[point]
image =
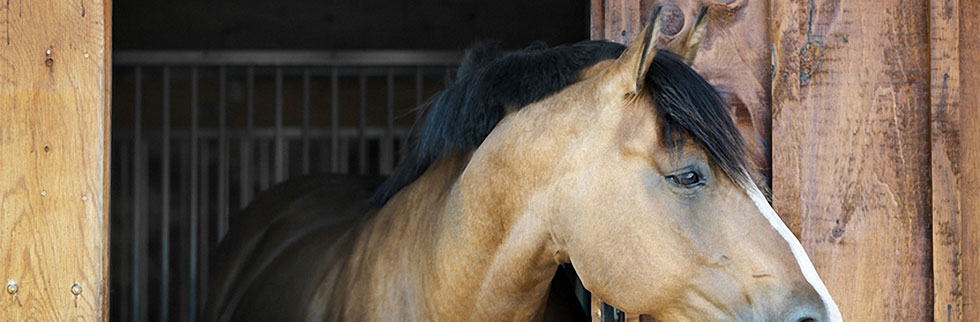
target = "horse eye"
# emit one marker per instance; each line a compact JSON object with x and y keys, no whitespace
{"x":686,"y":179}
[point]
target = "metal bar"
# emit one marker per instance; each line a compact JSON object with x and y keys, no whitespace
{"x":245,"y":184}
{"x":612,"y":314}
{"x":334,"y":120}
{"x":144,"y":186}
{"x":222,"y":152}
{"x":387,"y":149}
{"x":165,"y":202}
{"x":288,"y":58}
{"x":205,"y":210}
{"x":194,"y":220}
{"x":183,"y":229}
{"x":362,"y":161}
{"x":306,"y":121}
{"x":279,"y":162}
{"x":138,"y":280}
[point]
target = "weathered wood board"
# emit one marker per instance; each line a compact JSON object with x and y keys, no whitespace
{"x":875,"y":129}
{"x":54,"y":139}
{"x":955,"y":123}
{"x":734,"y":55}
{"x":851,"y":151}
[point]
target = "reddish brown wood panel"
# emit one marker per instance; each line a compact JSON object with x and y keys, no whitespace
{"x":734,"y":55}
{"x":851,"y":149}
{"x":54,"y":105}
{"x":955,"y":105}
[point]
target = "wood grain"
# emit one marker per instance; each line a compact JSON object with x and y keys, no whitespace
{"x":851,"y":149}
{"x":955,"y":135}
{"x":734,"y":56}
{"x":54,"y":158}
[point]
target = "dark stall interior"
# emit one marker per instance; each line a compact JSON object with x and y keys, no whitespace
{"x":215,"y":101}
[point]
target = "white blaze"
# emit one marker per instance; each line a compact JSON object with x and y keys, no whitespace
{"x":810,"y":273}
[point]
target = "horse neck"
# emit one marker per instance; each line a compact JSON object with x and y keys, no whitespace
{"x":478,"y":251}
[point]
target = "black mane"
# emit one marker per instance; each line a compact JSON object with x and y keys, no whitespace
{"x":461,"y":116}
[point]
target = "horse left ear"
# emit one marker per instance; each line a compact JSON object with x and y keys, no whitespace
{"x":630,"y":69}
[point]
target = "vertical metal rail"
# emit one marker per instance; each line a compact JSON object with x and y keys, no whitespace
{"x":612,"y":314}
{"x":165,"y":200}
{"x":388,"y":146}
{"x":222,"y":152}
{"x":194,"y":220}
{"x":334,"y":120}
{"x":137,"y":223}
{"x":144,"y":188}
{"x":278,"y":163}
{"x":183,"y":210}
{"x":245,"y":182}
{"x":205,"y":210}
{"x":306,"y":121}
{"x":362,"y":162}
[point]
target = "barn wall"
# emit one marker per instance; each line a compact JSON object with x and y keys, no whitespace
{"x":851,"y":149}
{"x":875,"y":137}
{"x":955,"y":125}
{"x":734,"y":56}
{"x":54,"y":112}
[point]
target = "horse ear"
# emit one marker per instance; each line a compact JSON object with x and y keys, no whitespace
{"x":630,"y":69}
{"x":694,"y":38}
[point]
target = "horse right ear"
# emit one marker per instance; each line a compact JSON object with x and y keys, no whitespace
{"x":627,"y":73}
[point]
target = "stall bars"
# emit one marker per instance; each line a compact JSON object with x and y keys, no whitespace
{"x":151,"y":279}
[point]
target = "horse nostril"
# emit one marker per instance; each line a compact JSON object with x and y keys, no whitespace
{"x":806,"y":319}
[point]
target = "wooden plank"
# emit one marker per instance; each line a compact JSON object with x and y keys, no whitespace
{"x":54,"y":157}
{"x":735,"y":56}
{"x":955,"y":137}
{"x":851,"y":149}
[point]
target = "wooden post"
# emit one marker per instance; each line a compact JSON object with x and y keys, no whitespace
{"x":54,"y":159}
{"x":851,"y":149}
{"x":954,"y":27}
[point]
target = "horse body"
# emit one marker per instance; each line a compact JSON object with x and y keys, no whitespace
{"x":625,"y":165}
{"x":356,"y":267}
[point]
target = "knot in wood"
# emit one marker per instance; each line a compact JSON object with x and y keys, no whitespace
{"x":671,"y":20}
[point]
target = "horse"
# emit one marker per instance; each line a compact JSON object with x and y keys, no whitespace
{"x":619,"y":160}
